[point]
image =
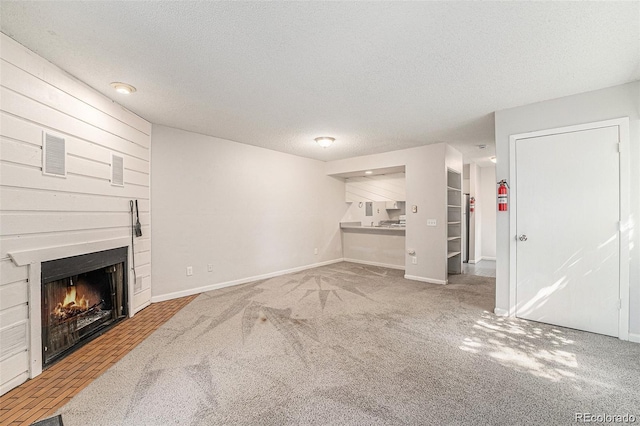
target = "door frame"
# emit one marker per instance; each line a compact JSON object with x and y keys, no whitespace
{"x":623,"y":134}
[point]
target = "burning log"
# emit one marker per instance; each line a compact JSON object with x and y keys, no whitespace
{"x":72,"y":309}
{"x":68,"y":310}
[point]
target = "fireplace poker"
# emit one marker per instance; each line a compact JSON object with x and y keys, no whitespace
{"x":133,"y":253}
{"x":94,"y":306}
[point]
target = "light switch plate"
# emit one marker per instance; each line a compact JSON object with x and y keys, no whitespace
{"x":431,"y":222}
{"x":414,"y":209}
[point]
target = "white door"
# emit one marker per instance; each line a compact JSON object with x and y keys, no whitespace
{"x":568,"y":210}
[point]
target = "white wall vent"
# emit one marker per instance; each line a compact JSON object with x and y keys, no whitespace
{"x":117,"y":170}
{"x":54,"y":155}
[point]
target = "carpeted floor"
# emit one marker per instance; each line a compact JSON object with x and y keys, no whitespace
{"x":354,"y":344}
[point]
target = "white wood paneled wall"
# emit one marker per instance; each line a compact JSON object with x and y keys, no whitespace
{"x":38,"y":211}
{"x":391,"y":187}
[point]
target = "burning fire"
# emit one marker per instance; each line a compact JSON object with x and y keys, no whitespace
{"x":71,"y":305}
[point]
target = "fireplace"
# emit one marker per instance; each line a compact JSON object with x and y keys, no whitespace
{"x":82,"y":297}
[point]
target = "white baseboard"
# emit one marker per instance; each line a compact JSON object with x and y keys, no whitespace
{"x":424,"y":279}
{"x":198,"y":290}
{"x":366,"y":262}
{"x":480,"y":259}
{"x":501,"y":312}
{"x":633,"y":337}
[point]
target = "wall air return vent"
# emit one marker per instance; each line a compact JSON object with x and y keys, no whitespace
{"x":117,"y":170}
{"x":54,"y":155}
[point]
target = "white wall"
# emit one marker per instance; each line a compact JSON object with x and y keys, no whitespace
{"x":380,"y":248}
{"x":487,"y":197}
{"x":391,"y":187}
{"x":465,"y":179}
{"x":39,"y":211}
{"x":425,"y":171}
{"x":614,"y":102}
{"x":482,"y":222}
{"x":245,"y":210}
{"x":357,"y":213}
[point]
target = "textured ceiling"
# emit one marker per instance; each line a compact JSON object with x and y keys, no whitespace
{"x":376,"y":76}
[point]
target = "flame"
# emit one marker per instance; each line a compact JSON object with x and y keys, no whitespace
{"x":71,"y":305}
{"x":70,"y":297}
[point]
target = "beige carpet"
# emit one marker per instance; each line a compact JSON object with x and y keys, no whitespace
{"x":352,"y":344}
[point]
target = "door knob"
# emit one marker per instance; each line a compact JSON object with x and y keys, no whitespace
{"x":522,"y":237}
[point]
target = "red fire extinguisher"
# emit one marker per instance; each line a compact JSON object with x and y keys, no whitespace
{"x":503,"y":195}
{"x":472,"y":204}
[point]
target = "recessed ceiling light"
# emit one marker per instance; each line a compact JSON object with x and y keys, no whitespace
{"x":493,"y":159}
{"x":325,"y":141}
{"x":481,"y":146}
{"x":368,"y":172}
{"x":123,"y":88}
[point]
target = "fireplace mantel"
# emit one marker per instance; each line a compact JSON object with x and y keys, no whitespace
{"x":27,"y":257}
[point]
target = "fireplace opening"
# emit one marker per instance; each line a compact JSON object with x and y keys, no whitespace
{"x":82,"y":297}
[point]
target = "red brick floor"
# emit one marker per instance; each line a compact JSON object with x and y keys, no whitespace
{"x":39,"y":398}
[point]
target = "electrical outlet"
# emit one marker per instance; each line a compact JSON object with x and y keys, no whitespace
{"x":189,"y":271}
{"x":210,"y":267}
{"x":315,"y":251}
{"x":414,"y":260}
{"x":431,"y":222}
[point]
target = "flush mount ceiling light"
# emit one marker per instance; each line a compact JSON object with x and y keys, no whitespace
{"x":368,"y":172}
{"x":123,"y":88}
{"x":324,"y":141}
{"x":493,"y":159}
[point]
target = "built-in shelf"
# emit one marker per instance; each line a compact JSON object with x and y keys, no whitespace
{"x":454,"y":218}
